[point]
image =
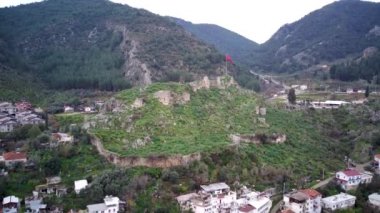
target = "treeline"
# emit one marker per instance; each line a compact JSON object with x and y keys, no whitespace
{"x":367,"y":69}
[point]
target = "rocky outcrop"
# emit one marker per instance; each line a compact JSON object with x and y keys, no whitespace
{"x":138,"y":103}
{"x":151,"y":161}
{"x":220,"y":82}
{"x":134,"y":69}
{"x":369,"y":52}
{"x":167,"y":97}
{"x":375,"y":31}
{"x":258,"y":138}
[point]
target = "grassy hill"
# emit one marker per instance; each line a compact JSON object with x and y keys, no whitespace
{"x":205,"y":123}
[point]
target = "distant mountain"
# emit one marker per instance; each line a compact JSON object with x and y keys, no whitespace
{"x":337,"y":31}
{"x":226,"y":41}
{"x":97,"y":44}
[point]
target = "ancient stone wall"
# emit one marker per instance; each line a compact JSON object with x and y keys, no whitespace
{"x":151,"y":161}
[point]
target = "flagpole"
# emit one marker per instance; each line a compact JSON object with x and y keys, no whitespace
{"x":226,"y":67}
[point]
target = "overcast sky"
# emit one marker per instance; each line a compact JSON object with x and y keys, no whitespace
{"x":254,"y":19}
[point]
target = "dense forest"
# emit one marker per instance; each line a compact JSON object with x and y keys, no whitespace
{"x":336,"y":31}
{"x":98,"y":44}
{"x":240,"y":48}
{"x":367,"y":69}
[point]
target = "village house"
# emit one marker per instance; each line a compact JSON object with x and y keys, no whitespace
{"x":7,"y":124}
{"x":8,"y":108}
{"x":374,"y":199}
{"x":23,"y":106}
{"x":303,"y":201}
{"x":68,"y":109}
{"x":60,"y":138}
{"x":329,"y":104}
{"x":89,"y":109}
{"x":351,"y":178}
{"x":79,"y":185}
{"x":218,"y":197}
{"x":11,"y":204}
{"x":339,"y":201}
{"x":111,"y":204}
{"x":377,"y":163}
{"x":12,"y":158}
{"x":53,"y":186}
{"x":253,"y":202}
{"x":28,"y":117}
{"x":34,"y":204}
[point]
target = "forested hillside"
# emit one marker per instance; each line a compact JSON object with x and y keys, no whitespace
{"x":339,"y":30}
{"x":96,"y":44}
{"x":240,"y":48}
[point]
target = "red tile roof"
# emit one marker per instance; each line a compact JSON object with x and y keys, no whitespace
{"x":14,"y":156}
{"x":351,"y":172}
{"x":246,"y":208}
{"x":311,"y":193}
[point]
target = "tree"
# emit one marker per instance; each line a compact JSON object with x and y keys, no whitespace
{"x":33,"y":132}
{"x":292,"y":96}
{"x":366,"y":92}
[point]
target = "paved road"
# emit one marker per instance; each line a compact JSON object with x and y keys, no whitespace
{"x":359,"y":167}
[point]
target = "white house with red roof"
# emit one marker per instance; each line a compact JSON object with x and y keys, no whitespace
{"x":11,"y":158}
{"x":303,"y":201}
{"x":351,"y":178}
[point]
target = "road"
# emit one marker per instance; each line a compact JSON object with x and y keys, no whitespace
{"x":359,"y":167}
{"x":270,"y":79}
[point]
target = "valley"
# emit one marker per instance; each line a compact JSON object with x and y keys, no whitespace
{"x":104,"y":107}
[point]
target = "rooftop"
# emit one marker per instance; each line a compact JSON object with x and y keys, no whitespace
{"x":11,"y":199}
{"x":186,"y":197}
{"x":14,"y":156}
{"x":214,"y":187}
{"x":246,"y":208}
{"x":99,"y":207}
{"x":374,"y":196}
{"x":338,"y":198}
{"x":377,"y":157}
{"x":80,"y":184}
{"x":299,"y":196}
{"x":311,"y":193}
{"x":351,"y":172}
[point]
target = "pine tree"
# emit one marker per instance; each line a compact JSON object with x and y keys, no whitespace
{"x":366,"y":92}
{"x":292,"y":96}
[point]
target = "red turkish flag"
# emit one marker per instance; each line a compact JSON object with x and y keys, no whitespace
{"x":229,"y":59}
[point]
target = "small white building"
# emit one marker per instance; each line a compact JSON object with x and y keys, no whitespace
{"x":79,"y":185}
{"x":339,"y":201}
{"x":62,"y":137}
{"x":303,"y":201}
{"x":111,"y":204}
{"x":303,"y":87}
{"x":329,"y":104}
{"x":68,"y":109}
{"x":374,"y":199}
{"x":11,"y":204}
